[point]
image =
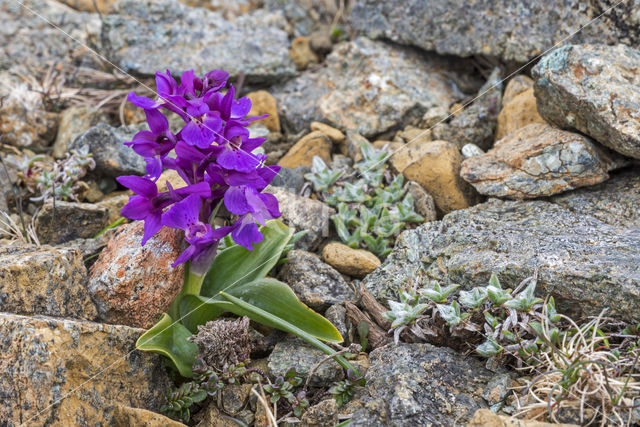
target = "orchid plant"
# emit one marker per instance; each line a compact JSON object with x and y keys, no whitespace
{"x":220,"y":164}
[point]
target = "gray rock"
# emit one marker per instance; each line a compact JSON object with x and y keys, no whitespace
{"x":476,"y":124}
{"x":594,"y":89}
{"x":291,"y":179}
{"x":512,"y":31}
{"x":419,"y":384}
{"x":112,"y":157}
{"x":539,"y":160}
{"x":337,"y":315}
{"x":422,"y":201}
{"x":615,"y":201}
{"x":295,"y":353}
{"x":73,"y":122}
{"x":254,"y":44}
{"x":367,"y":87}
{"x":585,"y":263}
{"x":67,"y":221}
{"x":317,"y":284}
{"x":44,"y":280}
{"x":304,"y":15}
{"x":28,"y":41}
{"x":470,"y":150}
{"x":303,"y":213}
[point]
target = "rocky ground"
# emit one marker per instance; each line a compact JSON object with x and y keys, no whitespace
{"x":512,"y":168}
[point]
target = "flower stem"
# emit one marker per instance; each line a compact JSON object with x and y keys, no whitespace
{"x":192,"y":285}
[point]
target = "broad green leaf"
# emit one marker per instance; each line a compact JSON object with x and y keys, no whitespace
{"x":197,"y":310}
{"x":242,"y":308}
{"x":489,"y":348}
{"x":278,"y":300}
{"x":169,"y":338}
{"x":236,"y":265}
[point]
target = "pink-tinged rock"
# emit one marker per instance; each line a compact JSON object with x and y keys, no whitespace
{"x":133,"y":284}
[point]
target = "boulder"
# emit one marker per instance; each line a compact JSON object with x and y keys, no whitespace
{"x":44,"y":280}
{"x":368,"y":87}
{"x":262,"y":102}
{"x":65,"y":221}
{"x":594,"y":89}
{"x":352,"y":262}
{"x":66,"y":372}
{"x":513,"y":31}
{"x":519,"y":111}
{"x":73,"y":122}
{"x":538,"y":161}
{"x":302,"y":153}
{"x":255,"y":44}
{"x":133,"y":284}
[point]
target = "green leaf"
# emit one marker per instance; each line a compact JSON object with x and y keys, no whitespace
{"x":236,"y":265}
{"x":489,"y":348}
{"x":197,"y":310}
{"x":473,"y":298}
{"x":170,"y":339}
{"x":278,"y":300}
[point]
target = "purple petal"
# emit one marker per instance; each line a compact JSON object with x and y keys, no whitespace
{"x":138,"y":208}
{"x":165,"y":84}
{"x":152,"y":225}
{"x":240,"y":108}
{"x":142,"y":101}
{"x":154,"y":167}
{"x":237,"y":160}
{"x":158,"y":123}
{"x":246,"y":233}
{"x":184,"y":256}
{"x":235,"y":201}
{"x":215,"y":80}
{"x":187,"y":83}
{"x":139,"y":185}
{"x":192,"y":134}
{"x":268,"y":173}
{"x":184,"y":213}
{"x":187,"y":152}
{"x":202,"y":189}
{"x":271,"y":204}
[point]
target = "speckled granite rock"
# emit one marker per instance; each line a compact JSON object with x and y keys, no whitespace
{"x":69,"y":221}
{"x":495,"y":27}
{"x":133,"y":284}
{"x":295,"y":353}
{"x":44,"y":280}
{"x":615,"y":201}
{"x":594,"y":89}
{"x":254,"y":44}
{"x":585,"y":263}
{"x":367,"y":87}
{"x":475,"y":124}
{"x":112,"y":157}
{"x":48,"y":367}
{"x":317,"y":284}
{"x":419,"y":384}
{"x":539,"y":160}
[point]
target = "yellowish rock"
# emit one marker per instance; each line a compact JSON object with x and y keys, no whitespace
{"x":73,"y":122}
{"x":174,"y":179}
{"x":59,"y":371}
{"x":405,"y":154}
{"x":125,"y":416}
{"x":516,"y":86}
{"x":103,"y":6}
{"x":518,"y":113}
{"x":334,"y":134}
{"x":44,"y":280}
{"x":301,"y":154}
{"x":114,"y":203}
{"x":352,"y":262}
{"x":262,"y":102}
{"x":438,"y":172}
{"x":301,"y":53}
{"x":486,"y":418}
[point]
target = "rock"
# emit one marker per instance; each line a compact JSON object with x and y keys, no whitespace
{"x":470,"y":150}
{"x":29,"y":43}
{"x":463,"y":28}
{"x":227,"y":8}
{"x":254,"y":44}
{"x":337,"y":315}
{"x":419,"y":384}
{"x":66,"y":372}
{"x":102,"y":6}
{"x":352,"y":145}
{"x":517,"y":84}
{"x":262,"y":102}
{"x":44,"y":280}
{"x":438,"y":172}
{"x":133,"y":284}
{"x":594,"y":89}
{"x":422,"y":201}
{"x":323,"y":414}
{"x":174,"y":179}
{"x":124,"y":416}
{"x":614,"y":202}
{"x":519,"y":112}
{"x":24,"y":121}
{"x":303,"y":213}
{"x":301,"y":53}
{"x":486,"y":418}
{"x":112,"y":157}
{"x":367,"y":87}
{"x":305,"y":15}
{"x":234,"y":397}
{"x":317,"y":284}
{"x":352,"y":262}
{"x":302,"y":153}
{"x":405,"y":154}
{"x":295,"y":353}
{"x":64,"y":221}
{"x":321,"y":41}
{"x":291,"y":179}
{"x":334,"y":134}
{"x":113,"y":203}
{"x":476,"y":123}
{"x":538,"y":161}
{"x":73,"y":122}
{"x":584,"y":263}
